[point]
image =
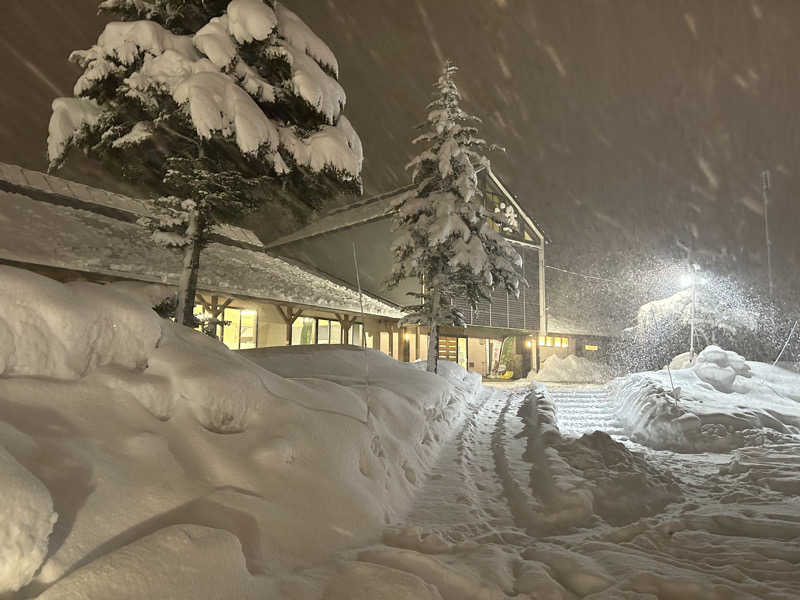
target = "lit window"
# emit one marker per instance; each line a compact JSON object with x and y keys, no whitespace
{"x":548,"y":341}
{"x":231,"y":331}
{"x":558,"y":342}
{"x":541,"y":340}
{"x":323,"y":331}
{"x":590,"y":347}
{"x":564,"y":342}
{"x":356,"y":330}
{"x":248,"y":329}
{"x":303,"y":330}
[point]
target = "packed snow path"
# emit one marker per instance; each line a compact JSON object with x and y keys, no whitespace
{"x":480,"y":467}
{"x":584,"y":410}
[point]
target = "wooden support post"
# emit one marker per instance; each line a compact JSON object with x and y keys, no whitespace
{"x":347,"y":322}
{"x":214,"y":309}
{"x":289,"y":315}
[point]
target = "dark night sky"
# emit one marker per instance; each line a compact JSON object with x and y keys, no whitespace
{"x":625,"y":121}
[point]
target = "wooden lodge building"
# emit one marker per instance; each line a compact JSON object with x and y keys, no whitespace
{"x":300,"y":289}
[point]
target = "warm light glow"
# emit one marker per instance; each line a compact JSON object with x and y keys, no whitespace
{"x":590,"y":347}
{"x":528,"y":344}
{"x":558,"y":342}
{"x":406,"y":337}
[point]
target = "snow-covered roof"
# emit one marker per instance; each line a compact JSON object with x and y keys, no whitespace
{"x":377,"y":207}
{"x":48,"y":221}
{"x":356,"y":213}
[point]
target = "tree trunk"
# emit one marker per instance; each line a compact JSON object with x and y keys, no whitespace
{"x":187,"y":284}
{"x":433,"y":338}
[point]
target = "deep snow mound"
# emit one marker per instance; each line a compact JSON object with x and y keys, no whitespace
{"x":49,"y":329}
{"x":26,"y":520}
{"x":572,"y":369}
{"x":284,"y":455}
{"x":719,"y":403}
{"x":623,"y":486}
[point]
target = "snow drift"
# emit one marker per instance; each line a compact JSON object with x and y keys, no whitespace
{"x":26,"y":520}
{"x":572,"y":369}
{"x":266,"y":461}
{"x":719,"y":403}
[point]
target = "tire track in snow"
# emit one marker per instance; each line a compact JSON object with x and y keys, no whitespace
{"x":464,"y":498}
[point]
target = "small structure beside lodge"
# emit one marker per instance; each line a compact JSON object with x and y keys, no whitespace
{"x":300,"y":289}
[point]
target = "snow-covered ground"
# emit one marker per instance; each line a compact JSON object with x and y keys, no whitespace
{"x":719,"y":403}
{"x":193,"y":469}
{"x":176,"y":468}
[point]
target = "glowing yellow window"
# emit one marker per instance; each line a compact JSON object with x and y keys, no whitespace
{"x":548,"y":341}
{"x":541,"y":340}
{"x":590,"y":347}
{"x":558,"y":342}
{"x":565,"y":342}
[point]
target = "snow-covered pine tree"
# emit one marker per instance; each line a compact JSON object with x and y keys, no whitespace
{"x":445,"y":237}
{"x":214,"y":106}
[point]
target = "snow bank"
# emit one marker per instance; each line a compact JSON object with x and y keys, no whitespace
{"x":719,"y":403}
{"x":572,"y":369}
{"x":52,"y":330}
{"x":147,"y":568}
{"x":26,"y":520}
{"x":285,"y":454}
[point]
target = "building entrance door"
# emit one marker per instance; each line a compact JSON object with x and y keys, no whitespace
{"x":453,"y":349}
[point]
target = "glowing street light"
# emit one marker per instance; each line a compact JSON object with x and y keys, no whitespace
{"x":691,"y":279}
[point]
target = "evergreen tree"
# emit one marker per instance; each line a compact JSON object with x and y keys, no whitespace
{"x":445,"y":236}
{"x":215,"y":107}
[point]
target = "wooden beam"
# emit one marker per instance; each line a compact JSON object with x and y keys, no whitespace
{"x":204,"y":302}
{"x":289,"y":315}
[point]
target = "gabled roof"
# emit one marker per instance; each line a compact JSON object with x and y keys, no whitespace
{"x":51,"y":222}
{"x":378,"y":207}
{"x":532,"y":223}
{"x":357,"y":213}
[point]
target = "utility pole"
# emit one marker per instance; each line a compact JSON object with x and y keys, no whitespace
{"x":693,"y":268}
{"x":693,"y":275}
{"x":765,"y":185}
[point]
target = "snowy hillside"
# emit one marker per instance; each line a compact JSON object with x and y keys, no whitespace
{"x":151,"y":441}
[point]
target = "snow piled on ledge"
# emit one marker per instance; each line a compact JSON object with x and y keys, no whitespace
{"x":720,"y":403}
{"x":194,"y":470}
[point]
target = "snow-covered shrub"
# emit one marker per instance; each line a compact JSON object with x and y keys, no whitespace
{"x":725,"y":315}
{"x":26,"y":520}
{"x":720,"y":368}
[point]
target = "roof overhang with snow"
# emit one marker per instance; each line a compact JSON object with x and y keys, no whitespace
{"x":384,"y":205}
{"x":54,"y":223}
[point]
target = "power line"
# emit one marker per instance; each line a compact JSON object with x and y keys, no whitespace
{"x":582,"y":274}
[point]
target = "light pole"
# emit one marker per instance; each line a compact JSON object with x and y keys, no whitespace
{"x":693,"y":274}
{"x":765,"y":185}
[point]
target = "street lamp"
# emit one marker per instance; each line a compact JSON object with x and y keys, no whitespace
{"x":691,"y":280}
